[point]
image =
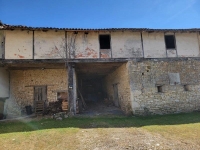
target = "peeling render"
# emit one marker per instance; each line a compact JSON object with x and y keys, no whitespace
{"x":53,"y":44}
{"x":105,"y":53}
{"x":86,"y":44}
{"x":18,"y":44}
{"x":49,"y":44}
{"x":126,"y":44}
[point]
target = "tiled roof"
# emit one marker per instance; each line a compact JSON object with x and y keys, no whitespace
{"x":11,"y":27}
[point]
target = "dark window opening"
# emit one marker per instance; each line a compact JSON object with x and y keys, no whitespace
{"x":160,"y":89}
{"x":104,"y":41}
{"x":170,"y":41}
{"x":186,"y":87}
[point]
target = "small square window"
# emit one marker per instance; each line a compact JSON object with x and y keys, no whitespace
{"x":160,"y":89}
{"x":186,"y":87}
{"x":104,"y":41}
{"x":170,"y":41}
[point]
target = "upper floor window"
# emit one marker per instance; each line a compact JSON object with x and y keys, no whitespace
{"x":170,"y":41}
{"x":104,"y":41}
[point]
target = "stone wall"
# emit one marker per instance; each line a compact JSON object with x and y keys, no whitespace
{"x":162,"y":86}
{"x":22,"y":84}
{"x":121,"y":78}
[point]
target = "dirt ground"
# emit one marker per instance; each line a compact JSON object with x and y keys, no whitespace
{"x":129,"y":138}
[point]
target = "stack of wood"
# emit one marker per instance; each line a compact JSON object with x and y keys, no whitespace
{"x":55,"y":107}
{"x":64,"y":105}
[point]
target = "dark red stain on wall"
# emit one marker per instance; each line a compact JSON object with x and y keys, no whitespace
{"x":20,"y":56}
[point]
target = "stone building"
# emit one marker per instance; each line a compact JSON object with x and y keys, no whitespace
{"x":142,"y":71}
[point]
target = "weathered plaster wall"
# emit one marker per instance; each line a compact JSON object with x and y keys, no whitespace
{"x":4,"y":83}
{"x":22,"y":84}
{"x":85,"y":45}
{"x":2,"y":44}
{"x":121,"y":78}
{"x":154,"y":45}
{"x":147,"y":75}
{"x":49,"y":44}
{"x":126,"y":44}
{"x":187,"y":44}
{"x":18,"y":44}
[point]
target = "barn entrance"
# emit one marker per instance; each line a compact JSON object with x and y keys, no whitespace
{"x":92,"y":89}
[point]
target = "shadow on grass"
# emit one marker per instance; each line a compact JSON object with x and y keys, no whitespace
{"x":99,"y":122}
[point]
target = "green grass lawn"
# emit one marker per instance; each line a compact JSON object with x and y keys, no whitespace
{"x":53,"y":134}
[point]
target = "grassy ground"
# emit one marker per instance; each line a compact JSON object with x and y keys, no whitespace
{"x":179,"y":131}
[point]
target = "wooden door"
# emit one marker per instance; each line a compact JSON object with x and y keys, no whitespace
{"x":116,"y":97}
{"x":40,"y":93}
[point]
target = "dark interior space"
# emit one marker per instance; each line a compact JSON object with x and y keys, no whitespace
{"x":92,"y":88}
{"x":170,"y":41}
{"x":104,"y":41}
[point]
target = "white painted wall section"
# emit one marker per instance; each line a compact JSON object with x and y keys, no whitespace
{"x":154,"y":45}
{"x":18,"y":44}
{"x":4,"y":83}
{"x":126,"y":44}
{"x":85,"y":45}
{"x":49,"y":44}
{"x":187,"y":44}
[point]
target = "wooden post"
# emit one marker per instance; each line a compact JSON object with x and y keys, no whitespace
{"x":71,"y":98}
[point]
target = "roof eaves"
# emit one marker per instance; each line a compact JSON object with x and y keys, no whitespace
{"x":12,"y":27}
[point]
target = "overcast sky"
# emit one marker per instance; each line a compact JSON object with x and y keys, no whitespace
{"x":102,"y":13}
